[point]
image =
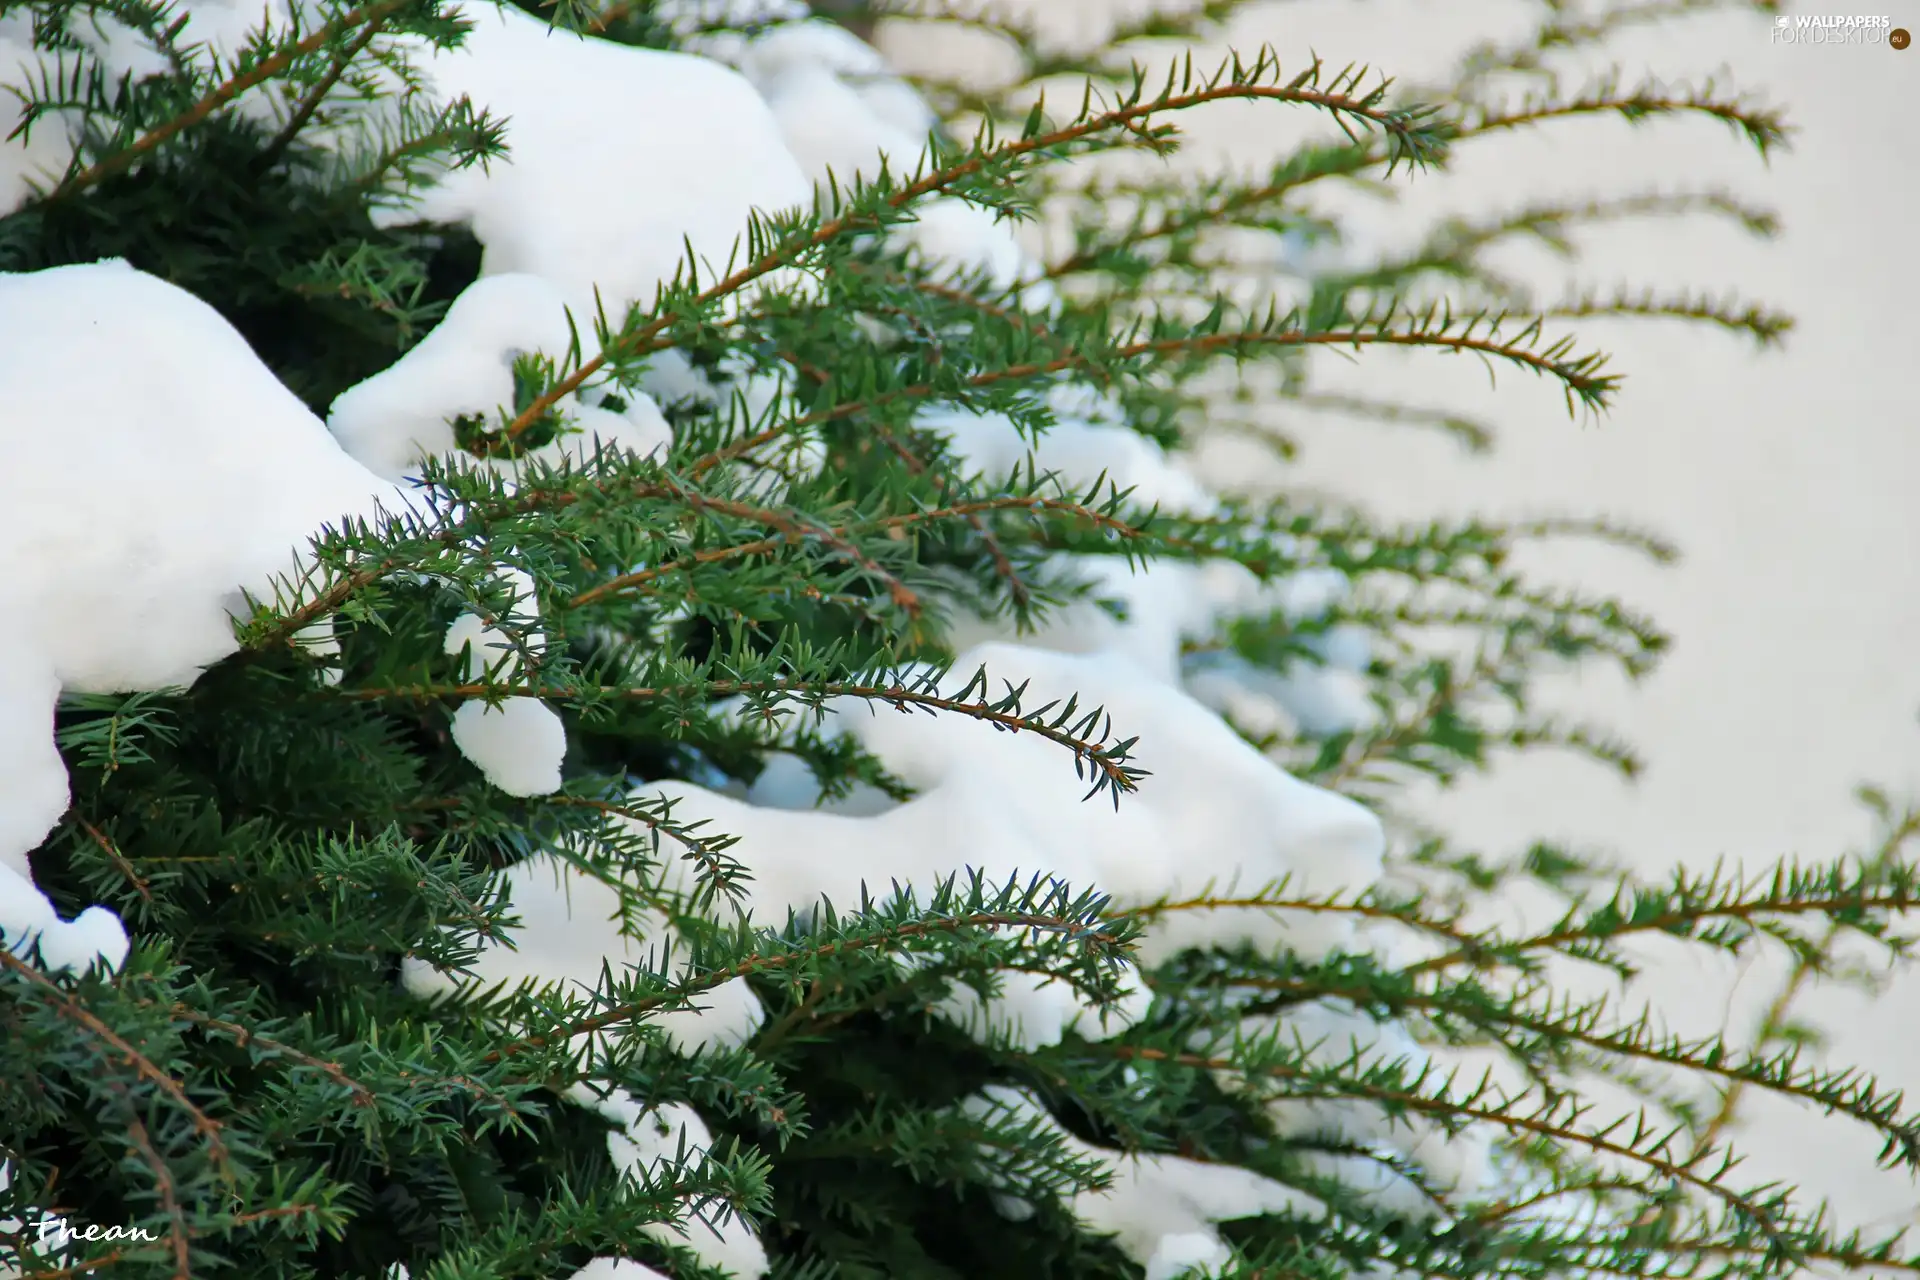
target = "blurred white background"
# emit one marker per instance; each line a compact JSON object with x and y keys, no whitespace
{"x":1790,"y":480}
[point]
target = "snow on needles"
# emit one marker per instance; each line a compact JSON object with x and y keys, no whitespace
{"x":651,"y":1141}
{"x":570,"y":932}
{"x":130,"y":582}
{"x":1160,"y":1209}
{"x":203,"y":474}
{"x":206,"y":480}
{"x":1214,"y":811}
{"x":405,"y":414}
{"x":605,"y":218}
{"x":28,"y":920}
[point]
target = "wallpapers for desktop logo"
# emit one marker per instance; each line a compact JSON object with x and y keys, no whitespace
{"x":1837,"y":30}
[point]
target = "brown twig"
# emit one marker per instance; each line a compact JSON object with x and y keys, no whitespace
{"x":206,"y":1126}
{"x":178,"y":1233}
{"x":772,"y":963}
{"x":645,"y":338}
{"x":245,"y":1037}
{"x":261,"y":72}
{"x":119,"y":859}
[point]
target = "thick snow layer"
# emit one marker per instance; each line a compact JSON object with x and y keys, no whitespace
{"x":570,"y":928}
{"x":404,"y":415}
{"x":1161,"y":1210}
{"x":650,"y":1137}
{"x":841,"y":111}
{"x":1215,"y":811}
{"x":27,"y":919}
{"x":206,"y":480}
{"x":519,"y":745}
{"x":616,"y":1269}
{"x":204,"y":475}
{"x":608,"y":184}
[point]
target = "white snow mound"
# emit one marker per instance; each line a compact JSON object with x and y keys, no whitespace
{"x":203,"y":474}
{"x":205,"y":480}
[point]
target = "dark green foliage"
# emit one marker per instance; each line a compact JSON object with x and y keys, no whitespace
{"x":255,"y":1088}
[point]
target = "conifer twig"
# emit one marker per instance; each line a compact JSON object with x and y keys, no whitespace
{"x":258,"y":74}
{"x":1400,"y":125}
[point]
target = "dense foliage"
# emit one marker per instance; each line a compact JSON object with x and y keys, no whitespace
{"x":259,"y":1092}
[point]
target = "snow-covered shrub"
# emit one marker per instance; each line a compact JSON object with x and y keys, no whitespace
{"x":606,"y":674}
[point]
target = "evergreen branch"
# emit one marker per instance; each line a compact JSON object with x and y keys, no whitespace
{"x":303,"y":114}
{"x":1406,"y":139}
{"x":1847,"y":1093}
{"x":1766,"y":327}
{"x":1325,"y":160}
{"x":258,"y":74}
{"x":691,"y":560}
{"x":1108,"y":761}
{"x":1594,"y":1185}
{"x":1888,"y":888}
{"x":1448,"y":690}
{"x":707,"y":852}
{"x":1565,"y":30}
{"x":1636,"y":1151}
{"x":1275,"y":899}
{"x":535,"y":496}
{"x":119,"y":860}
{"x":1764,"y":129}
{"x":885,"y":937}
{"x":1017,"y":587}
{"x":1578,"y":374}
{"x":178,"y":1233}
{"x":1457,"y":240}
{"x":1772,"y":1022}
{"x":1474,"y":435}
{"x":969,"y":512}
{"x":1853,"y":1259}
{"x":792,"y":528}
{"x":247,"y":1038}
{"x":210,"y":1131}
{"x":968,"y":299}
